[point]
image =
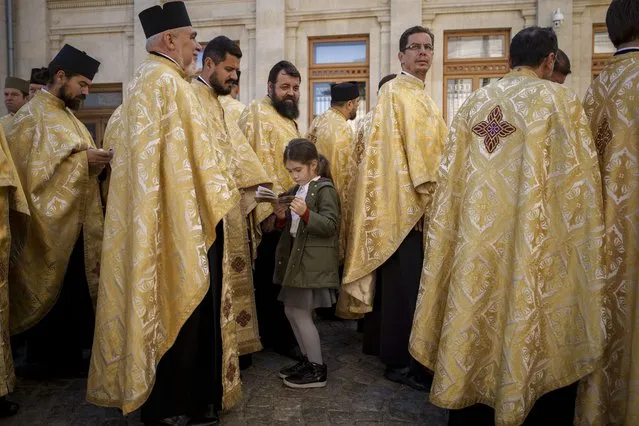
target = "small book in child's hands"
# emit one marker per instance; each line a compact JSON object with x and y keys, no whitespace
{"x":265,"y":195}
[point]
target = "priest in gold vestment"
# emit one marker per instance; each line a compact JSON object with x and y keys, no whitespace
{"x":269,"y":125}
{"x":16,"y":94}
{"x":221,"y":60}
{"x":333,"y":136}
{"x":391,"y":199}
{"x":12,"y":200}
{"x":55,"y":276}
{"x":233,"y":108}
{"x":165,"y":339}
{"x":610,"y":396}
{"x":509,"y":309}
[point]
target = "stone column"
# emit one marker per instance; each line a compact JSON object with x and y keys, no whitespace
{"x":384,"y":46}
{"x":404,"y":14}
{"x":291,"y":41}
{"x":139,"y":39}
{"x":564,"y":32}
{"x":31,"y":32}
{"x":250,"y":83}
{"x":3,"y":46}
{"x":270,"y":27}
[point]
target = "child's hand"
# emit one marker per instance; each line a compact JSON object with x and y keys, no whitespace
{"x":298,"y":206}
{"x":280,"y":211}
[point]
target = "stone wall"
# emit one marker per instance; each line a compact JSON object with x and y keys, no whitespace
{"x":271,"y":30}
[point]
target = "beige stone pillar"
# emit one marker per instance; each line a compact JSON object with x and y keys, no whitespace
{"x":3,"y":46}
{"x":31,"y":32}
{"x":249,"y":82}
{"x":291,"y":41}
{"x":385,"y":59}
{"x":139,"y":39}
{"x":404,"y":14}
{"x":270,"y":27}
{"x":564,"y":32}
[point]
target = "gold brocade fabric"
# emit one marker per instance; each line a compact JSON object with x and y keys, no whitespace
{"x":268,"y":132}
{"x":394,"y":184}
{"x":169,"y":189}
{"x":509,"y":306}
{"x":247,"y":172}
{"x":333,"y":136}
{"x":12,"y":198}
{"x":5,"y":123}
{"x":112,"y":135}
{"x":48,"y":144}
{"x":610,"y":396}
{"x":233,"y":108}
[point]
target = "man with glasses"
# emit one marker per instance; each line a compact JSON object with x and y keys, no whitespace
{"x":333,"y":136}
{"x":391,"y":199}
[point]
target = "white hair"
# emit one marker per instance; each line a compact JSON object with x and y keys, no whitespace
{"x":152,"y":42}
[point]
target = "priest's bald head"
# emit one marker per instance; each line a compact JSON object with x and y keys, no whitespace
{"x":169,"y":32}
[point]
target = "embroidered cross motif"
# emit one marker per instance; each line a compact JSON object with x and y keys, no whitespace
{"x":230,"y":373}
{"x":238,"y":264}
{"x":604,"y":136}
{"x":493,"y":128}
{"x":226,"y":308}
{"x":243,"y":318}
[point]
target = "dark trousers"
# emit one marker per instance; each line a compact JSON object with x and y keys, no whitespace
{"x":556,"y":408}
{"x":189,"y":376}
{"x":387,"y":329}
{"x":59,"y":339}
{"x":275,"y":330}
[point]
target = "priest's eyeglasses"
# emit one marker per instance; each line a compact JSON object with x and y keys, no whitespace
{"x":418,"y":46}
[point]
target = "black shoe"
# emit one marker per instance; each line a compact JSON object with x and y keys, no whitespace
{"x":8,"y":408}
{"x":171,"y":421}
{"x":204,"y":422}
{"x":313,"y":376}
{"x":405,"y":377}
{"x":208,"y":416}
{"x":294,"y":369}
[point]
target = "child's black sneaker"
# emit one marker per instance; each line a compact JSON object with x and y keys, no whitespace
{"x":314,"y":376}
{"x":294,"y":369}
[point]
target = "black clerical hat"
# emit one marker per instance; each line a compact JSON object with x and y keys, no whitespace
{"x":16,"y":83}
{"x":344,"y":91}
{"x":156,"y":19}
{"x":39,"y":75}
{"x":71,"y":59}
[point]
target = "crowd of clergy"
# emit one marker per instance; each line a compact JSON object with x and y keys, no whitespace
{"x":493,"y":265}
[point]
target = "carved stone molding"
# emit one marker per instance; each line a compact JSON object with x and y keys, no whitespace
{"x":340,"y":72}
{"x":478,"y":68}
{"x":73,"y":4}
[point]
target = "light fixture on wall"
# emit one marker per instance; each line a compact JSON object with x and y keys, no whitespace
{"x":557,"y":18}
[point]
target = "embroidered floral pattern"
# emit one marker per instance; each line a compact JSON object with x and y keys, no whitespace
{"x":493,"y":128}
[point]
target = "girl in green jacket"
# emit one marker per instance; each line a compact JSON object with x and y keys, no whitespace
{"x":307,"y":256}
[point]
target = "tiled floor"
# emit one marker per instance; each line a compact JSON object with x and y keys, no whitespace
{"x":356,"y":394}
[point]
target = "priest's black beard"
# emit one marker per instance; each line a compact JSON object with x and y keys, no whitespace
{"x":217,"y":87}
{"x":73,"y":104}
{"x":287,"y":109}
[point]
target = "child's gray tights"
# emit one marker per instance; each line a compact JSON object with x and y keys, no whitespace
{"x":305,"y":332}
